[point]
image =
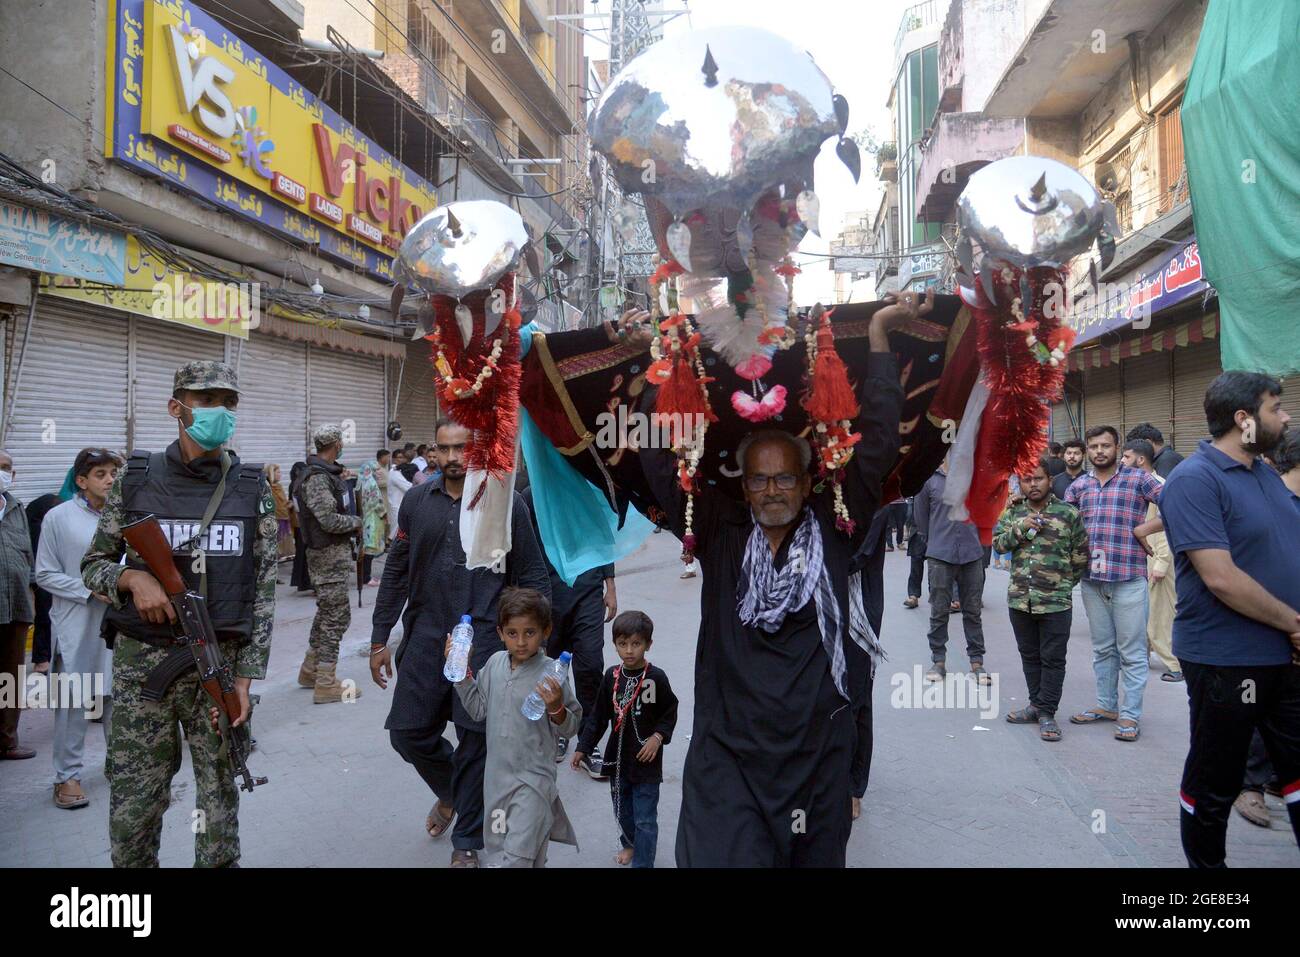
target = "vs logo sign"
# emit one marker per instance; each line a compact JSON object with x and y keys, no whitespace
{"x":200,"y":79}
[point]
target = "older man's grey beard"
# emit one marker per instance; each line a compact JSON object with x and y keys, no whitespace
{"x":784,"y":517}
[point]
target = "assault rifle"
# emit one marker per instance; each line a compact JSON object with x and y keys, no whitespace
{"x":215,"y":674}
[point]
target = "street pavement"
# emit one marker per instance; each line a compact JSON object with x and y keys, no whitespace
{"x":950,"y":786}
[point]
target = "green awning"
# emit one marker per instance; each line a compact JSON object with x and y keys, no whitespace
{"x":1241,"y":137}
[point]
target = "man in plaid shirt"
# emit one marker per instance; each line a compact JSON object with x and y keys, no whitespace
{"x":1113,"y":501}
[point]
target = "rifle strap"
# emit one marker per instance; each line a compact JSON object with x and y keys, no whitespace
{"x":214,"y":503}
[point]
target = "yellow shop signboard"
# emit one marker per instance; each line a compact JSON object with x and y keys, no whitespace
{"x":196,"y":105}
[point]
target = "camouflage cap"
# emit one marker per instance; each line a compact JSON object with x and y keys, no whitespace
{"x":327,"y":435}
{"x":205,"y":374}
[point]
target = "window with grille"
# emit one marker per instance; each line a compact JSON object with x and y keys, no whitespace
{"x":1173,"y":168}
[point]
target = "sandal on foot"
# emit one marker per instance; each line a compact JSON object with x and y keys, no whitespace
{"x":1172,"y":676}
{"x":437,"y":823}
{"x":937,"y":672}
{"x":464,"y":859}
{"x":1048,"y":729}
{"x":911,"y":602}
{"x":69,"y":796}
{"x":1023,"y":716}
{"x":1127,"y":732}
{"x":1091,"y":715}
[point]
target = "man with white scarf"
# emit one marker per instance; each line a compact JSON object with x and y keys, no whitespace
{"x":784,"y":651}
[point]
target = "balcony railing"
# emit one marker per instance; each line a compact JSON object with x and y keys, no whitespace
{"x":916,"y":17}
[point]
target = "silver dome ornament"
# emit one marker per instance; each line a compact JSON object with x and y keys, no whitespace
{"x":461,"y":248}
{"x":751,"y":118}
{"x":1025,"y":212}
{"x":678,"y":238}
{"x":809,"y":208}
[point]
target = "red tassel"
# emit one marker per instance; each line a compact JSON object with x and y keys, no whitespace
{"x":681,"y":394}
{"x":830,"y":397}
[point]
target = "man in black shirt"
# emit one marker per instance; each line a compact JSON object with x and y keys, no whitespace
{"x":1073,"y":454}
{"x":426,"y":574}
{"x":1166,"y":458}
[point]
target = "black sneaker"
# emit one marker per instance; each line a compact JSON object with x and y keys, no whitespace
{"x":561,"y":749}
{"x":594,"y":766}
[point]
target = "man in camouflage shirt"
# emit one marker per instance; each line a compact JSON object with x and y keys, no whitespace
{"x":328,"y":528}
{"x":232,"y":560}
{"x":1049,"y":554}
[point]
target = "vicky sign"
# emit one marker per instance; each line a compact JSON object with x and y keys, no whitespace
{"x":190,"y":103}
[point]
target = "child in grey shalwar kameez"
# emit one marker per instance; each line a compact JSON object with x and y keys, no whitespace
{"x":521,"y":803}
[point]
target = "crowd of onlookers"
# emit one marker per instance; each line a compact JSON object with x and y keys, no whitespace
{"x":1191,"y":559}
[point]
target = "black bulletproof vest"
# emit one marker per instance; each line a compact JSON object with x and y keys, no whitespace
{"x":178,"y":498}
{"x":313,"y":536}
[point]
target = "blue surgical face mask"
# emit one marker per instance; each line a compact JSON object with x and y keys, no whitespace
{"x":212,"y":428}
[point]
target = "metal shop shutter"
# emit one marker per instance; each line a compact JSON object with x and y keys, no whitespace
{"x":1060,"y":423}
{"x":416,"y":407}
{"x":72,"y":394}
{"x":272,"y":402}
{"x":1103,"y":401}
{"x":349,"y":387}
{"x":1147,"y":391}
{"x":1291,"y":401}
{"x":1066,"y":414}
{"x":160,"y":349}
{"x":1195,"y":367}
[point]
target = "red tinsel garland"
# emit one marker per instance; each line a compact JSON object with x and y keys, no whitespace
{"x":1013,"y":432}
{"x":492,"y":414}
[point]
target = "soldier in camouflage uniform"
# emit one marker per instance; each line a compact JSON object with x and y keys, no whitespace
{"x":1049,"y":554}
{"x":231,"y":559}
{"x":328,"y":530}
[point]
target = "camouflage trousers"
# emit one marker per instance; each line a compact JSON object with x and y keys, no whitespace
{"x":333,"y":615}
{"x":145,"y":754}
{"x":330,"y":570}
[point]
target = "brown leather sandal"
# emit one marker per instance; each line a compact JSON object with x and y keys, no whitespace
{"x":69,"y":796}
{"x":437,"y":823}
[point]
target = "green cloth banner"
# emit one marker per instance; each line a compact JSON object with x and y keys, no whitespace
{"x":1241,"y":136}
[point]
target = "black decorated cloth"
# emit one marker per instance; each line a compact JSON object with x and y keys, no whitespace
{"x":570,"y":378}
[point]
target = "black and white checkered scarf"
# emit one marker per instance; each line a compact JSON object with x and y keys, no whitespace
{"x":768,"y":595}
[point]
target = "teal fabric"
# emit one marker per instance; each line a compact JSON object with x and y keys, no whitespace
{"x":69,"y":486}
{"x":1241,"y":138}
{"x":579,"y":529}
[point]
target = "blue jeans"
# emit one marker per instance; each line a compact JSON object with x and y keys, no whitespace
{"x":637,"y":812}
{"x":1117,"y":618}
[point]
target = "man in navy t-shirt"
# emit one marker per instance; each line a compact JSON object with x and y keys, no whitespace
{"x":1233,"y":530}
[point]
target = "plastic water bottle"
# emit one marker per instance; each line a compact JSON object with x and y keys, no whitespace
{"x":462,"y":636}
{"x":534,"y":707}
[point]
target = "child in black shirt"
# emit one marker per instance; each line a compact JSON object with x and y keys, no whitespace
{"x":636,"y":700}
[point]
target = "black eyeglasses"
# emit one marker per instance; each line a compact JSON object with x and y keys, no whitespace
{"x":758,"y":483}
